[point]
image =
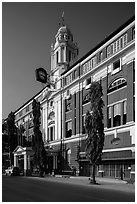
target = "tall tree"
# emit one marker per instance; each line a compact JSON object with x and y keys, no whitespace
{"x":95,"y":127}
{"x":38,"y":144}
{"x":21,"y":138}
{"x":12,"y":135}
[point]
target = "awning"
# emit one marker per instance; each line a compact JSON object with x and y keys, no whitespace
{"x":118,"y":155}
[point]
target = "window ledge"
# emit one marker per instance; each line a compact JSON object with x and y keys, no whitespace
{"x":116,"y":70}
{"x":88,"y":86}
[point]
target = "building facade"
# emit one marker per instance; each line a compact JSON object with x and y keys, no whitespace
{"x":64,"y":103}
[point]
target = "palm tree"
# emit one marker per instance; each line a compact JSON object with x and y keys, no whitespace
{"x":95,"y":127}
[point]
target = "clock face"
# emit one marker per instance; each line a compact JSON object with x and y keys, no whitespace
{"x":42,"y":75}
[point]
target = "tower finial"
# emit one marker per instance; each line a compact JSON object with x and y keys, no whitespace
{"x":62,"y":18}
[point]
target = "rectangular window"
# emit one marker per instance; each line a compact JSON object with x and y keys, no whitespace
{"x":118,"y":44}
{"x":68,"y":129}
{"x":65,"y":81}
{"x":75,"y":74}
{"x":91,"y":63}
{"x":88,"y":66}
{"x":133,"y":33}
{"x":115,"y":47}
{"x":84,"y":69}
{"x":124,"y":40}
{"x":121,"y":42}
{"x":112,"y":49}
{"x":100,"y":56}
{"x":69,"y":79}
{"x":94,"y":61}
{"x":88,"y":81}
{"x":116,"y":64}
{"x":62,"y":54}
{"x":117,"y":115}
{"x":51,"y":132}
{"x":108,"y":51}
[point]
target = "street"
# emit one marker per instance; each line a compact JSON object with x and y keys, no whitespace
{"x":31,"y":189}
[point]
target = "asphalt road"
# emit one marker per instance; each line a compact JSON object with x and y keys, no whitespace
{"x":23,"y":189}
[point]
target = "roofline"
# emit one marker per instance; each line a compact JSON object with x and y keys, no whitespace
{"x":87,"y":54}
{"x":111,"y":35}
{"x":28,"y":101}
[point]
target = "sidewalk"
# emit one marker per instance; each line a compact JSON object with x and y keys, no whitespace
{"x":98,"y":179}
{"x":105,"y":183}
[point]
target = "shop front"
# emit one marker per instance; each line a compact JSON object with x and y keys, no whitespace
{"x":118,"y":164}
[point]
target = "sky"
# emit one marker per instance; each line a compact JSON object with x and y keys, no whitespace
{"x":29,"y":29}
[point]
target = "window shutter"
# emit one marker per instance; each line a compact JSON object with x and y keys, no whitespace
{"x":117,"y":109}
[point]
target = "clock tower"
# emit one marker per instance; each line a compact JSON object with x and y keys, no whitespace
{"x":64,"y":51}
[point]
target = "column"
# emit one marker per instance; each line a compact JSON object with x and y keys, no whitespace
{"x":25,"y":164}
{"x":56,"y":120}
{"x":78,"y":113}
{"x":65,"y":54}
{"x":28,"y":161}
{"x":130,"y":92}
{"x":54,"y":162}
{"x":63,"y":118}
{"x":73,"y":114}
{"x":81,"y":106}
{"x":49,"y":134}
{"x":59,"y":118}
{"x":15,"y":161}
{"x":122,"y":112}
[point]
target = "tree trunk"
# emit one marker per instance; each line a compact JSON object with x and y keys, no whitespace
{"x":93,"y":180}
{"x":93,"y":173}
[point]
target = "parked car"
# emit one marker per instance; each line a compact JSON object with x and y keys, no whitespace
{"x":12,"y":171}
{"x":3,"y":170}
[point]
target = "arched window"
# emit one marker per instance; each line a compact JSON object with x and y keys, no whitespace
{"x":117,"y":84}
{"x":68,"y":155}
{"x":57,"y":57}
